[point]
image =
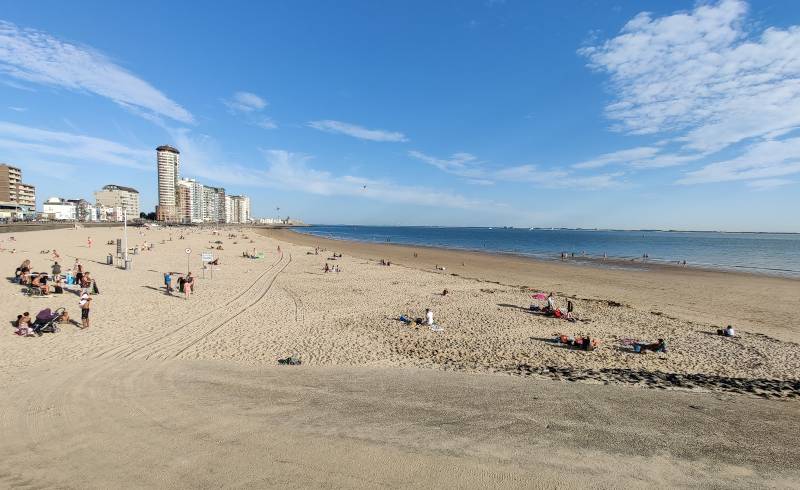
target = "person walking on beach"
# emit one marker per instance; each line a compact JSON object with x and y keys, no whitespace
{"x":168,"y":282}
{"x":89,"y":242}
{"x":85,"y":303}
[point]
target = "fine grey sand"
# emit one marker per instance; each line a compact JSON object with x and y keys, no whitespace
{"x":162,"y":391}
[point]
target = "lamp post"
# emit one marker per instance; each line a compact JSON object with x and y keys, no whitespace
{"x":125,"y":237}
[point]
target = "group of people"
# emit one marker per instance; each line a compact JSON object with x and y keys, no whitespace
{"x":551,"y":309}
{"x":328,"y":268}
{"x":386,"y":262}
{"x":55,"y":282}
{"x":185,"y":283}
{"x":427,"y":321}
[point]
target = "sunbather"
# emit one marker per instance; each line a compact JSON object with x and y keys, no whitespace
{"x":659,"y":346}
{"x":727,"y":332}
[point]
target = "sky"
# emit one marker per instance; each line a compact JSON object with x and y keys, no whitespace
{"x":594,"y":114}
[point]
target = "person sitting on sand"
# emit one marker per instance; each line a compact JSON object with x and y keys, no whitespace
{"x":429,"y":317}
{"x":327,"y":268}
{"x":551,"y":303}
{"x":659,"y":346}
{"x":23,"y":325}
{"x":727,"y":332}
{"x":56,"y":269}
{"x":40,"y":281}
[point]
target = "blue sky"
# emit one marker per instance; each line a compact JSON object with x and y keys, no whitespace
{"x":588,"y":114}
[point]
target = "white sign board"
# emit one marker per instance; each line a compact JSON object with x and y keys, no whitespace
{"x":188,"y":251}
{"x":207,"y":257}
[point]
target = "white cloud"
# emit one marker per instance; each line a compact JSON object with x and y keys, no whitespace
{"x":629,"y":156}
{"x":245,"y":102}
{"x":291,"y":170}
{"x":702,"y":75}
{"x":18,"y":109}
{"x":357,"y":131}
{"x":249,"y":106}
{"x":478,"y":172}
{"x":766,"y":184}
{"x":266,"y":123}
{"x":763,"y":160}
{"x":32,"y":143}
{"x":461,"y":164}
{"x":34,"y":56}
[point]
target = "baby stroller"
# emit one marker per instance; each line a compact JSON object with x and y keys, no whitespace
{"x":47,"y":321}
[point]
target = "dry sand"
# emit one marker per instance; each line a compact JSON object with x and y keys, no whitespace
{"x":163,"y":391}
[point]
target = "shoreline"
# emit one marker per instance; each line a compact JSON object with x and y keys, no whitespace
{"x":760,"y":302}
{"x":631,"y":263}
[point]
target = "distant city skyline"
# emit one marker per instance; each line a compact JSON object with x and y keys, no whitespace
{"x":631,"y":115}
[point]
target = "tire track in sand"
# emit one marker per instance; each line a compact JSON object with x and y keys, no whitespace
{"x":128,"y":350}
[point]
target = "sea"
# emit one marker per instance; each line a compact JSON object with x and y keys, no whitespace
{"x":764,"y":253}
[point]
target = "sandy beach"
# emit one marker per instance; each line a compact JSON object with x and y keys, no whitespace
{"x":488,"y":401}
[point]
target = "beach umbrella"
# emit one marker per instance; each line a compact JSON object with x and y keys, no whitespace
{"x":539,"y":296}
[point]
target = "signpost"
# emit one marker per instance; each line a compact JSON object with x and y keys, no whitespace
{"x":207,"y":258}
{"x":188,"y":253}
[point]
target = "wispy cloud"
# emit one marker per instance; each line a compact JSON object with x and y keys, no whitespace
{"x":291,"y":170}
{"x":356,"y":131}
{"x":480,"y":172}
{"x":461,"y":164}
{"x":622,"y":156}
{"x":245,"y":102}
{"x":33,"y":56}
{"x":34,"y":143}
{"x":18,"y":109}
{"x":766,"y":184}
{"x":250,"y":107}
{"x":763,"y":160}
{"x":641,"y":157}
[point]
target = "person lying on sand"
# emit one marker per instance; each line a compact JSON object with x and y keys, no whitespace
{"x":580,"y":342}
{"x":727,"y":332}
{"x":659,"y":346}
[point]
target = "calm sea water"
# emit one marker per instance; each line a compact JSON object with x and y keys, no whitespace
{"x":770,"y":253}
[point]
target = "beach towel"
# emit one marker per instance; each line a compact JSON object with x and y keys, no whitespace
{"x":541,"y":296}
{"x":436,"y":328}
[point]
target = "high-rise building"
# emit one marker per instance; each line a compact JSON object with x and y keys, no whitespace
{"x":237,"y":209}
{"x":191,"y":200}
{"x":213,"y":204}
{"x":168,"y":163}
{"x":117,"y":196}
{"x":12,"y":190}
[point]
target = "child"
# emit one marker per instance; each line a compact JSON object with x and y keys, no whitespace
{"x":85,"y":303}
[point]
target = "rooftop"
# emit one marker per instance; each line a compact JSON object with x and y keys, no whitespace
{"x":115,"y":187}
{"x":167,"y":148}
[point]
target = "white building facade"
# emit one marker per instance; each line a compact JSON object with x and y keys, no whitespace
{"x":60,"y":209}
